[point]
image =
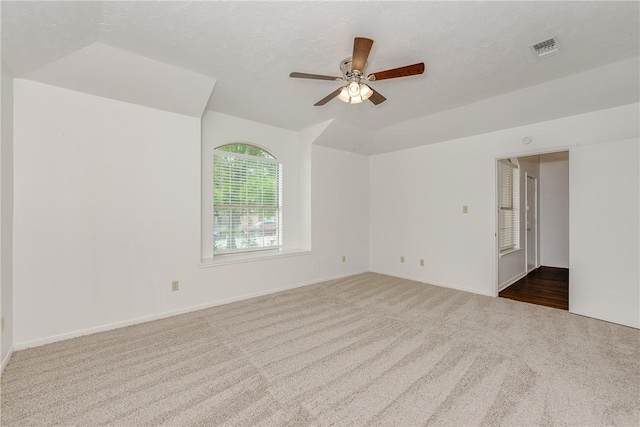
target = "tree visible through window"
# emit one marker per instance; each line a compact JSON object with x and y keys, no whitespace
{"x":247,"y":194}
{"x":508,"y":213}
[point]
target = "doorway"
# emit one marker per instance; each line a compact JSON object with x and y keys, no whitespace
{"x":535,"y":268}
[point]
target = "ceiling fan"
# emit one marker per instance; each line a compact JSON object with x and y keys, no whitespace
{"x":353,"y":74}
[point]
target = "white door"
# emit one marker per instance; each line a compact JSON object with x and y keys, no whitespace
{"x":532,"y":223}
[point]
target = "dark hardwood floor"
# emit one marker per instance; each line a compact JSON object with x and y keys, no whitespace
{"x":548,"y":286}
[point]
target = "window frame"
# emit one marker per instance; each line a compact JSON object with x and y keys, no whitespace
{"x":270,"y":159}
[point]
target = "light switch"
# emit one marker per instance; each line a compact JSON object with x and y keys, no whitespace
{"x":465,"y":209}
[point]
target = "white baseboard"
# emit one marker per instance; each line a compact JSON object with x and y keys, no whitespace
{"x":511,"y":281}
{"x":108,"y":327}
{"x":6,"y":360}
{"x":435,"y":283}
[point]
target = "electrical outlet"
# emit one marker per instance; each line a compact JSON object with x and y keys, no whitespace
{"x":421,"y":263}
{"x":402,"y":259}
{"x":344,"y":258}
{"x":175,"y":285}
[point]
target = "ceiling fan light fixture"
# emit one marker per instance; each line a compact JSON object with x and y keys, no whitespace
{"x":355,"y":93}
{"x":344,"y":95}
{"x":354,"y":88}
{"x":365,"y":92}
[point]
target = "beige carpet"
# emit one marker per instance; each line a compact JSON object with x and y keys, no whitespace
{"x":365,"y":350}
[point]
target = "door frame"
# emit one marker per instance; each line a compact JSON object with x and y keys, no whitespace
{"x":496,"y":201}
{"x":536,"y":264}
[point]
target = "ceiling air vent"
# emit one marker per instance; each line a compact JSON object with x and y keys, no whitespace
{"x":546,"y":48}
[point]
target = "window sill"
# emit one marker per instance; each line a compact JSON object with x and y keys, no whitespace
{"x":251,"y":257}
{"x":510,"y":251}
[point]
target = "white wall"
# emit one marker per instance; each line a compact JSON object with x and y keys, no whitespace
{"x":6,"y":215}
{"x":604,"y":271}
{"x":554,"y":209}
{"x":417,"y":197}
{"x":107,"y":214}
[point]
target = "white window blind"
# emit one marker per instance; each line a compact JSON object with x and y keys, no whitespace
{"x":508,"y":212}
{"x":247,"y":200}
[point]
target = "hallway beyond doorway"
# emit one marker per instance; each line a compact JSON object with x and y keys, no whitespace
{"x":548,"y":286}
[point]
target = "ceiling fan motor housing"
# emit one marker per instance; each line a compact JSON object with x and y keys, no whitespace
{"x":347,"y":73}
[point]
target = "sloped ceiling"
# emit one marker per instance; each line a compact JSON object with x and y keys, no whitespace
{"x":578,"y":93}
{"x":473,"y":51}
{"x":106,"y":71}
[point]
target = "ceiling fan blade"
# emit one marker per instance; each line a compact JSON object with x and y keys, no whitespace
{"x":376,"y":98}
{"x":328,"y":97}
{"x":361,"y":49}
{"x":314,"y":76}
{"x":408,"y":70}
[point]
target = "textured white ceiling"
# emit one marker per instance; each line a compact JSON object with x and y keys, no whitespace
{"x":472,"y":50}
{"x":35,"y":34}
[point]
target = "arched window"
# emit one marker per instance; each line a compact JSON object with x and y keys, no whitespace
{"x":247,"y":199}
